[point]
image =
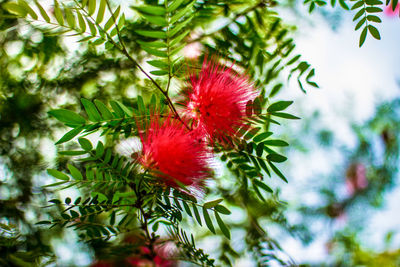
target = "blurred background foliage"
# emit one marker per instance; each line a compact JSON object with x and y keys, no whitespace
{"x":40,"y":72}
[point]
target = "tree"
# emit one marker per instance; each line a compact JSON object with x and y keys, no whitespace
{"x":187,"y":112}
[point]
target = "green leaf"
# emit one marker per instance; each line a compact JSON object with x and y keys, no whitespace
{"x":55,"y":184}
{"x":285,"y":115}
{"x":187,"y":208}
{"x":257,"y":106}
{"x":357,"y":5}
{"x":263,"y":186}
{"x":58,"y":14}
{"x":68,"y":201}
{"x":276,"y":158}
{"x":67,"y":116}
{"x":155,"y":52}
{"x":101,"y":11}
{"x":152,"y":34}
{"x":179,"y":38}
{"x":262,"y":164}
{"x":222,"y":226}
{"x":196,"y":213}
{"x":174,"y":5}
{"x":278,"y":106}
{"x":157,"y":20}
{"x":275,"y":143}
{"x":374,"y":32}
{"x":249,"y":108}
{"x":211,"y":204}
{"x":359,"y":14}
{"x":99,"y":149}
{"x":57,"y":174}
{"x":208,"y":221}
{"x":117,"y":109}
{"x":91,"y":6}
{"x":344,"y":5}
{"x":72,"y":153}
{"x":181,"y":13}
{"x":28,"y":9}
{"x":15,"y":9}
{"x":77,"y":201}
{"x":42,"y":12}
{"x":374,"y":9}
{"x":82,"y":24}
{"x":69,"y":135}
{"x":374,"y":18}
{"x":158,"y":64}
{"x":260,"y":149}
{"x":277,"y":171}
{"x":76,"y":174}
{"x":222,"y":209}
{"x":360,"y":23}
{"x":91,"y":110}
{"x":363,"y":36}
{"x":92,"y":28}
{"x":70,"y":17}
{"x":159,"y":72}
{"x":262,"y":136}
{"x":85,"y":144}
{"x":152,"y":10}
{"x":105,"y":112}
{"x":113,"y":19}
{"x":179,"y":26}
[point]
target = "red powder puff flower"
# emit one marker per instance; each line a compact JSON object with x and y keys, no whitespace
{"x":173,"y":153}
{"x":217,"y":101}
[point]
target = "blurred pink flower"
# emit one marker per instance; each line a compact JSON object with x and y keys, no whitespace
{"x":389,"y":10}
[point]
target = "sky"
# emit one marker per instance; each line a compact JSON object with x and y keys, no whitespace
{"x":353,"y":81}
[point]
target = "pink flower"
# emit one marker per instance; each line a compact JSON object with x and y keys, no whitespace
{"x":356,"y":178}
{"x":173,"y":153}
{"x":389,"y":10}
{"x":216,"y":101}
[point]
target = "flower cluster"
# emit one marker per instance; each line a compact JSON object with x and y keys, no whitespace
{"x":214,"y":109}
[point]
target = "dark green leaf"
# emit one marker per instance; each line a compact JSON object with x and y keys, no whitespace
{"x":374,"y":18}
{"x":68,"y":201}
{"x":276,"y":158}
{"x":208,"y":221}
{"x":357,"y":5}
{"x":260,"y":149}
{"x":363,"y":36}
{"x":196,"y":214}
{"x":211,"y":204}
{"x":99,"y":149}
{"x":275,"y":143}
{"x":222,"y":226}
{"x":360,"y":23}
{"x":285,"y":115}
{"x":277,"y":171}
{"x":222,"y":209}
{"x":278,"y":106}
{"x":359,"y":14}
{"x":262,"y":136}
{"x":374,"y":32}
{"x":263,"y":186}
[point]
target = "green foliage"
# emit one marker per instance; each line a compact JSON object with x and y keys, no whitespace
{"x":117,"y":196}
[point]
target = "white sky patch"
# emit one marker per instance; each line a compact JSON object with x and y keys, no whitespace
{"x":353,"y":81}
